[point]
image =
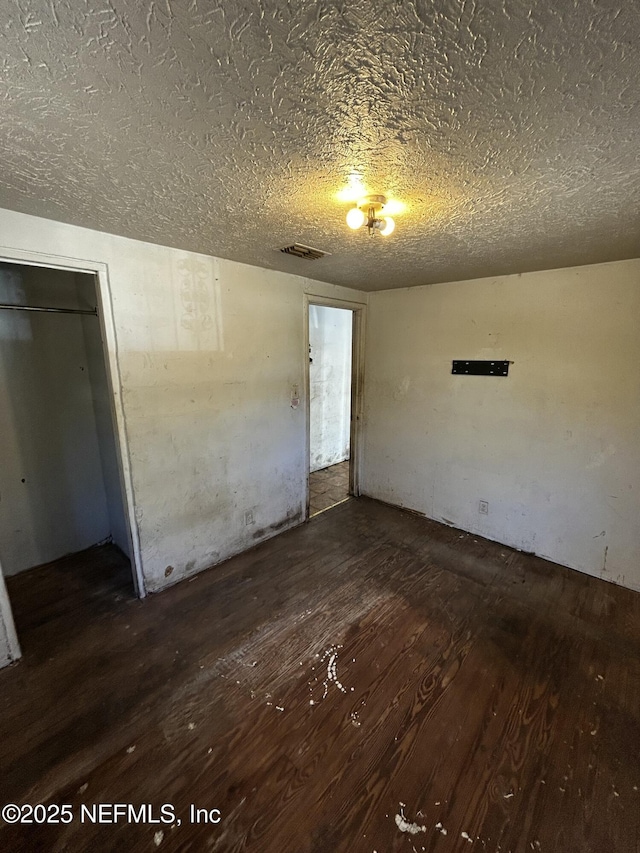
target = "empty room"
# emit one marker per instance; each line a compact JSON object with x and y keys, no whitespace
{"x":320,"y":426}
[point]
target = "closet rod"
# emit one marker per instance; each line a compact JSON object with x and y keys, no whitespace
{"x":93,"y":312}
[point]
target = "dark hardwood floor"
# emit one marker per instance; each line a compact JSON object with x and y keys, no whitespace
{"x":370,"y":681}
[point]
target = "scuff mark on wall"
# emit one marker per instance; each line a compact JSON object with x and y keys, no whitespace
{"x":601,"y":457}
{"x":402,"y":389}
{"x":293,"y":517}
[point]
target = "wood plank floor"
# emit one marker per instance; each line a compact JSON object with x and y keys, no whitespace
{"x":370,"y":681}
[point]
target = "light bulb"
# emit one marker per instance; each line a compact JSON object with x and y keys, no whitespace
{"x":355,"y":218}
{"x":389,"y":226}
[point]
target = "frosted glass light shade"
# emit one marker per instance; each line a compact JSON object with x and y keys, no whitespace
{"x":355,"y":218}
{"x":388,"y":226}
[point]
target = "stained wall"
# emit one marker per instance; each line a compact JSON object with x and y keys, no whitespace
{"x":553,"y":448}
{"x":211,"y":362}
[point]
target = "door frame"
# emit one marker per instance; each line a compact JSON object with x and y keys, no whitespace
{"x":358,"y":310}
{"x":100,"y":271}
{"x":7,"y":625}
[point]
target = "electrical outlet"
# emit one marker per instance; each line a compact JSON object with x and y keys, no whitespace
{"x":248,"y":517}
{"x":483,"y":507}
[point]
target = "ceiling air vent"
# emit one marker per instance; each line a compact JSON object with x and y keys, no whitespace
{"x":306,"y":252}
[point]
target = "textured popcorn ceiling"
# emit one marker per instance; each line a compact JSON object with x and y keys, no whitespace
{"x":509,"y":129}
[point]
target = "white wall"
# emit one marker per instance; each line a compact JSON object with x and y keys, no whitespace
{"x":330,"y":332}
{"x":53,"y":498}
{"x":104,"y":426}
{"x":211,"y":358}
{"x":554,"y":447}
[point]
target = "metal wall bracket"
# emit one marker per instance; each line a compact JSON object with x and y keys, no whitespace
{"x":481,"y":368}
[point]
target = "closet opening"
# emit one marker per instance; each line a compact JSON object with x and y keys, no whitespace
{"x":64,"y":533}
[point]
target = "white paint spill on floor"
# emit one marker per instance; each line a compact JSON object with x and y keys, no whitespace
{"x":406,"y":826}
{"x":265,"y":664}
{"x":157,"y":838}
{"x":467,"y":837}
{"x":332,"y":669}
{"x":329,"y":657}
{"x":261,"y":657}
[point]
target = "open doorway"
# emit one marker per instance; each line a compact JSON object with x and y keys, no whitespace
{"x":63,"y":520}
{"x":333,"y":394}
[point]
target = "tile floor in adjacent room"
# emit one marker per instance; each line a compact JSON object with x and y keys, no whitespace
{"x":328,"y":487}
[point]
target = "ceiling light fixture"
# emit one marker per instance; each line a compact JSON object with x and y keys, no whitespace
{"x":367,"y":212}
